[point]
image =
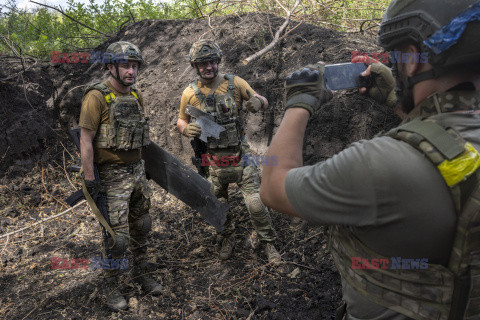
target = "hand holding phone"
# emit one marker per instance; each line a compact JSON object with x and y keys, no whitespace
{"x":346,"y":76}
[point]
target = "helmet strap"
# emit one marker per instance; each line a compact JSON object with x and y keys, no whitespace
{"x":117,"y":77}
{"x":426,"y":75}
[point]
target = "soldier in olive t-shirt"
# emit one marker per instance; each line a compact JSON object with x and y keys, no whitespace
{"x":95,"y":112}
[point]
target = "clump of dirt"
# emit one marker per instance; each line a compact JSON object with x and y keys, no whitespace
{"x":35,"y":153}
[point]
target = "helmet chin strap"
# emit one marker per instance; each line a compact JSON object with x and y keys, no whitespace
{"x":118,"y":78}
{"x":426,"y":75}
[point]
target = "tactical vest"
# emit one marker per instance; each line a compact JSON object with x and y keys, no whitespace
{"x":128,"y":127}
{"x":225,"y":111}
{"x":437,"y":292}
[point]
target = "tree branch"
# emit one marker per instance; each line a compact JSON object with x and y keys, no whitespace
{"x":66,"y":15}
{"x":277,"y":34}
{"x":42,"y":221}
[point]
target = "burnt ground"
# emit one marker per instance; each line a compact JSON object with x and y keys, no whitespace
{"x":37,"y":108}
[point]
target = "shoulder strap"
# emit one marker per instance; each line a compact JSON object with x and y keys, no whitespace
{"x":231,"y":83}
{"x":455,"y":158}
{"x":102,"y":87}
{"x":200,"y":96}
{"x":134,"y":92}
{"x":421,"y":130}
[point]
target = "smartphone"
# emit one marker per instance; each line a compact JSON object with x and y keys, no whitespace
{"x":345,"y":76}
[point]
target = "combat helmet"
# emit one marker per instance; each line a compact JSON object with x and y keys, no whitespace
{"x":126,"y":50}
{"x":447,"y":30}
{"x":122,"y":50}
{"x":204,"y":50}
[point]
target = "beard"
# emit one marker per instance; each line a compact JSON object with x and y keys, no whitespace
{"x":129,"y":82}
{"x":214,"y":74}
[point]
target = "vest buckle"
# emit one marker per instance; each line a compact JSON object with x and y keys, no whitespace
{"x":210,"y":100}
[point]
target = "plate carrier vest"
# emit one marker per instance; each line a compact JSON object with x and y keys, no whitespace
{"x":128,"y":127}
{"x":225,"y":111}
{"x":438,"y":292}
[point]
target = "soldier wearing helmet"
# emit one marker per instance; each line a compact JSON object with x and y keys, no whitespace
{"x":114,"y":128}
{"x":403,"y":207}
{"x":222,"y":96}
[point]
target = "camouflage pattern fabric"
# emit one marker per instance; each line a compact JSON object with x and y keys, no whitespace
{"x":129,"y":50}
{"x":224,"y":108}
{"x":445,"y":102}
{"x":248,"y":180}
{"x":436,"y":292}
{"x":128,"y":127}
{"x":128,"y":201}
{"x":204,"y":50}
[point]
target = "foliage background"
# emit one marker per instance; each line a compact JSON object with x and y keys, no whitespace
{"x":81,"y":27}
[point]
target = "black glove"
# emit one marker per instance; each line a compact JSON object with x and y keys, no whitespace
{"x":93,"y":188}
{"x":306,"y":88}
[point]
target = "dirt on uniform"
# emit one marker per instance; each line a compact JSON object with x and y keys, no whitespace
{"x":37,"y":108}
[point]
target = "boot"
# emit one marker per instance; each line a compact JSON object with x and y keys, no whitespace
{"x":149,"y":285}
{"x":227,"y":247}
{"x":272,"y":254}
{"x":115,"y":300}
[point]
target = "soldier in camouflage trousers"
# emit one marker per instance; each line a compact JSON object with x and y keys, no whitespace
{"x":114,"y":128}
{"x":404,"y":207}
{"x":222,"y":95}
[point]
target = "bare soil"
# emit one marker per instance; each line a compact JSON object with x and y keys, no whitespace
{"x":37,"y":108}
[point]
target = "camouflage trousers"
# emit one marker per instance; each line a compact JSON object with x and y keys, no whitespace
{"x":248,"y":181}
{"x":128,"y":202}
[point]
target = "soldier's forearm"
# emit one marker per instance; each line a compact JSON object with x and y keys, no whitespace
{"x":87,"y":159}
{"x":287,"y":146}
{"x":181,"y":124}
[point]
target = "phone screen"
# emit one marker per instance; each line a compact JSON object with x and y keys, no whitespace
{"x":345,"y":76}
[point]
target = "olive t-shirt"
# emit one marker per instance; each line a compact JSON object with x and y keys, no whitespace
{"x":95,"y":111}
{"x":240,"y":94}
{"x":393,"y":197}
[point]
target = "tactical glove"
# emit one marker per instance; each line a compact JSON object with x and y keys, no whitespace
{"x":93,"y":188}
{"x":383,"y":85}
{"x":254,"y":104}
{"x":192,"y":130}
{"x":306,"y":88}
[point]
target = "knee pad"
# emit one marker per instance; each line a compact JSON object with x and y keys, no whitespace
{"x":121,"y":245}
{"x":255,"y":205}
{"x":143,"y":225}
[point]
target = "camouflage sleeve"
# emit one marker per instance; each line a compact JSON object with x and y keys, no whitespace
{"x":242,"y":86}
{"x":188,"y":97}
{"x":93,"y":112}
